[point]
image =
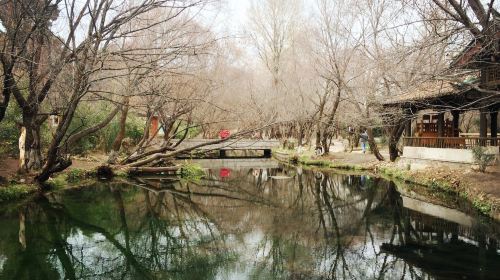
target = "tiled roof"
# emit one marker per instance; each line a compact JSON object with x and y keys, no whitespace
{"x":426,"y":91}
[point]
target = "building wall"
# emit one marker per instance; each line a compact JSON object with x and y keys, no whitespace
{"x":421,"y":157}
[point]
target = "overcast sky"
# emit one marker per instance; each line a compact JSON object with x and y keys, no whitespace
{"x":230,"y":16}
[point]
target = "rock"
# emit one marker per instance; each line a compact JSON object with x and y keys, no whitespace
{"x":104,"y":172}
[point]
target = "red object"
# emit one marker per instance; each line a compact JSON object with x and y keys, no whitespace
{"x":225,"y":172}
{"x":154,"y":126}
{"x":224,"y":133}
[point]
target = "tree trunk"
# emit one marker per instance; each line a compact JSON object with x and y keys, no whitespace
{"x":5,"y":103}
{"x":327,"y":128}
{"x":396,"y":133}
{"x":300,"y":135}
{"x":373,"y":145}
{"x":117,"y":144}
{"x":30,"y":156}
{"x":8,"y":80}
{"x":324,"y":144}
{"x":55,"y":161}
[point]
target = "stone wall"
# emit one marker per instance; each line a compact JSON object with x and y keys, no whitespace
{"x":421,"y":157}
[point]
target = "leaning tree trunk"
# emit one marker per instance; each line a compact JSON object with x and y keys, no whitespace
{"x":396,"y":133}
{"x":373,"y":145}
{"x":117,"y":144}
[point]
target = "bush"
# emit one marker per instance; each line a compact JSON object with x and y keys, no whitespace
{"x":9,"y":130}
{"x":75,"y":175}
{"x":482,"y":158}
{"x":192,"y":171}
{"x":90,"y":115}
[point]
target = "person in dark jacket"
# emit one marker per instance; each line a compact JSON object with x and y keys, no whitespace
{"x":364,"y":138}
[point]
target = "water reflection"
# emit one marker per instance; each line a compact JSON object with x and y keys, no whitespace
{"x":253,"y":223}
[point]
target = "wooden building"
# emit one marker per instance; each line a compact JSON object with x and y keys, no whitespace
{"x":435,"y":108}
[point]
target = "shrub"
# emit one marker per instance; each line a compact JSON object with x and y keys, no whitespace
{"x":192,"y":171}
{"x":75,"y":175}
{"x":482,"y":158}
{"x":9,"y":130}
{"x":89,"y":115}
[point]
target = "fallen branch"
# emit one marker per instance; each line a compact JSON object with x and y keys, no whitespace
{"x":154,"y":170}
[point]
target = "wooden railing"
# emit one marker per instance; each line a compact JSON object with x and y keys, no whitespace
{"x":450,"y":142}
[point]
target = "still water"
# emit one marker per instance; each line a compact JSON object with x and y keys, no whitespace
{"x":244,"y":221}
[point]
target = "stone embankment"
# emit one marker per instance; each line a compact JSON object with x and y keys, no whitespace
{"x":482,"y":190}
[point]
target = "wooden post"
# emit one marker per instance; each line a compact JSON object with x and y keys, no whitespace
{"x":222,"y":153}
{"x":483,"y":127}
{"x":408,"y":128}
{"x":494,"y":127}
{"x":440,"y":124}
{"x":456,"y":123}
{"x":267,"y":153}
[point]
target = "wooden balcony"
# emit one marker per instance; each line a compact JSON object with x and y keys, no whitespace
{"x":451,"y":142}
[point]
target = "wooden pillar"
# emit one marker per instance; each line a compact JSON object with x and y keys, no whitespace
{"x":222,"y":153}
{"x":483,"y":127}
{"x":494,"y":127}
{"x":456,"y":123}
{"x":267,"y":153}
{"x":408,"y":128}
{"x":440,"y":124}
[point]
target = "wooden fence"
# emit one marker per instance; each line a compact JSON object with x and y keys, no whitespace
{"x":450,"y":142}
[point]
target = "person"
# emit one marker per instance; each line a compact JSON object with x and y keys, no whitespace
{"x":364,"y":138}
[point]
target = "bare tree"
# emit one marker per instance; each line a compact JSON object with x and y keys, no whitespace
{"x":32,"y":52}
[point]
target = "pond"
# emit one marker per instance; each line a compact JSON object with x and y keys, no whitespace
{"x":245,"y":220}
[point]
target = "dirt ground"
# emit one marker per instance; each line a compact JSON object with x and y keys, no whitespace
{"x":8,"y":167}
{"x":488,"y":183}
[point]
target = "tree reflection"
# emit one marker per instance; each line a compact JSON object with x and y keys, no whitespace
{"x":261,"y":223}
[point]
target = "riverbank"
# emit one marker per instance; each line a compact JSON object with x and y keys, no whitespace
{"x":15,"y":186}
{"x":83,"y":171}
{"x":480,"y":189}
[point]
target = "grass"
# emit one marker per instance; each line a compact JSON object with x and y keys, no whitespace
{"x":16,"y":191}
{"x":70,"y":177}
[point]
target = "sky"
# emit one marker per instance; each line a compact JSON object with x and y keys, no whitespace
{"x":229,"y":16}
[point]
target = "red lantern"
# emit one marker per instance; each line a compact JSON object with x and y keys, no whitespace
{"x":224,"y":133}
{"x":225,"y":172}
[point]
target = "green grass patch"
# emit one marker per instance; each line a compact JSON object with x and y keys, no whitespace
{"x":16,"y":191}
{"x":75,"y":175}
{"x":70,"y":177}
{"x":58,"y":182}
